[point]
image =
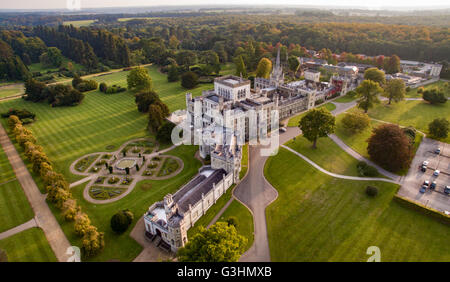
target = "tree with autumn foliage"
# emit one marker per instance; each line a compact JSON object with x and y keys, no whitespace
{"x":390,"y":147}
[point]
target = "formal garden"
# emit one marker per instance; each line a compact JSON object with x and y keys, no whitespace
{"x":112,"y":175}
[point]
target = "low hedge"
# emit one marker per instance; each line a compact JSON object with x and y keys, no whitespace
{"x":423,"y":209}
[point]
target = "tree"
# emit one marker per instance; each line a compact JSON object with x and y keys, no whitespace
{"x":164,"y":134}
{"x":145,"y":99}
{"x":34,"y":90}
{"x":371,"y":191}
{"x":375,"y":75}
{"x":293,"y":63}
{"x":390,"y":147}
{"x":355,"y":122}
{"x":93,"y":241}
{"x":393,"y":64}
{"x":439,"y":128}
{"x":76,"y":80}
{"x":139,"y":80}
{"x":173,"y":74}
{"x":52,"y":58}
{"x":121,"y":220}
{"x":434,"y":96}
{"x":367,"y":93}
{"x":395,"y":90}
{"x":241,"y":69}
{"x":156,"y":117}
{"x":317,"y":123}
{"x":219,"y":243}
{"x":189,"y":80}
{"x":264,"y":68}
{"x":82,"y":222}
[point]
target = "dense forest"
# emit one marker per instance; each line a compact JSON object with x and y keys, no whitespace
{"x":202,"y":41}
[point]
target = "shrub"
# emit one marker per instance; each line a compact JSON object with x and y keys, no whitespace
{"x":366,"y":170}
{"x":21,"y":114}
{"x":355,"y":122}
{"x":439,"y":128}
{"x":87,"y":85}
{"x":70,"y":209}
{"x":318,"y":102}
{"x":232,"y":221}
{"x":189,"y":80}
{"x":121,"y":220}
{"x":411,"y":133}
{"x":371,"y":191}
{"x":82,"y":222}
{"x":93,"y":241}
{"x":103,"y":87}
{"x":434,"y":96}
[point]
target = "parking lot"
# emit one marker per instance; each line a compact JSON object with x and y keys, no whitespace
{"x":433,"y":198}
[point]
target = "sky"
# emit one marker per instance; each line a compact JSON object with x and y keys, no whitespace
{"x":374,"y":4}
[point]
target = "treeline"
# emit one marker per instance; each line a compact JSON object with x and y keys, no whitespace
{"x":58,"y":189}
{"x":11,"y":66}
{"x":56,"y":95}
{"x":86,"y":45}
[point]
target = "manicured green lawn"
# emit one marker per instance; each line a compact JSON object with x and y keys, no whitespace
{"x":328,"y":155}
{"x":320,"y":218}
{"x":411,"y":113}
{"x":14,"y":206}
{"x":344,"y":99}
{"x":413,"y":92}
{"x":293,"y":122}
{"x":244,"y":218}
{"x":244,"y":161}
{"x":11,"y":90}
{"x":28,"y":246}
{"x":357,"y":141}
{"x":13,"y":202}
{"x":123,"y":247}
{"x":67,"y":133}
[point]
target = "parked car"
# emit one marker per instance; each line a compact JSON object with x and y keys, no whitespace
{"x":425,"y":163}
{"x":423,"y":189}
{"x":423,"y":168}
{"x":426,"y":183}
{"x":433,"y":185}
{"x":447,"y":190}
{"x":436,"y":172}
{"x":437,"y":151}
{"x":282,"y":129}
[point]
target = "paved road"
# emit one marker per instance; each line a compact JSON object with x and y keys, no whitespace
{"x":44,"y":217}
{"x":24,"y":226}
{"x":256,"y":193}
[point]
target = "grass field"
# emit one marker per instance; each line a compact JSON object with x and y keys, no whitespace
{"x":320,"y":218}
{"x":358,"y":141}
{"x":413,"y":92}
{"x":13,"y":202}
{"x":344,"y":99}
{"x":244,"y":218}
{"x":244,"y":161}
{"x":328,"y":155}
{"x":28,"y":246}
{"x":411,"y":113}
{"x":79,"y":23}
{"x":123,"y":247}
{"x":11,"y":90}
{"x":293,"y":122}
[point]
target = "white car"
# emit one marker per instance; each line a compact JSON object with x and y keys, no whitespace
{"x":426,"y":183}
{"x":436,"y":172}
{"x":425,"y":163}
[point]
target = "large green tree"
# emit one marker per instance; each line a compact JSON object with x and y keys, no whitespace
{"x":219,"y":243}
{"x":395,"y":90}
{"x":241,"y":69}
{"x":52,"y":58}
{"x":317,"y":123}
{"x":439,"y":128}
{"x":293,"y":63}
{"x":376,"y":75}
{"x":367,"y":94}
{"x":264,"y":68}
{"x":392,"y":65}
{"x":189,"y":80}
{"x":139,"y":80}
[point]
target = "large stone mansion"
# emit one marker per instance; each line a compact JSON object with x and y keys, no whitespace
{"x":221,"y":140}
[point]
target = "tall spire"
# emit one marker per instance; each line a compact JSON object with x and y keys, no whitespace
{"x":277,"y":65}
